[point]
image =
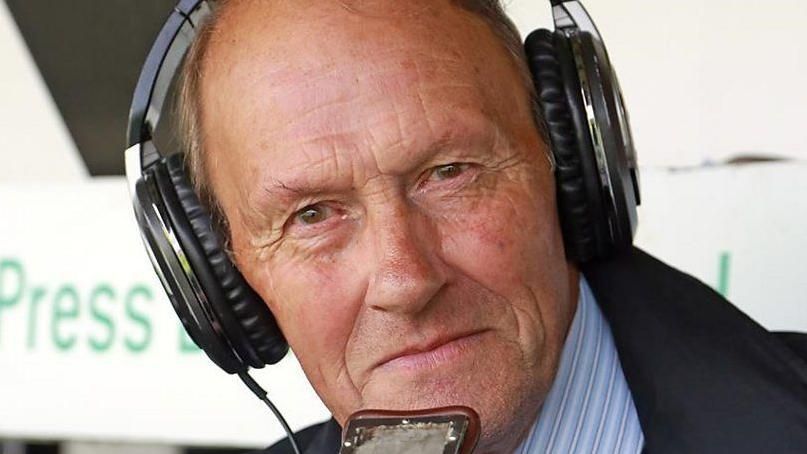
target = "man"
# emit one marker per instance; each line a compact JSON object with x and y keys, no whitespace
{"x":380,"y":176}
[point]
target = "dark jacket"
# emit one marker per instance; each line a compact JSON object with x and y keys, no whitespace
{"x":705,"y":378}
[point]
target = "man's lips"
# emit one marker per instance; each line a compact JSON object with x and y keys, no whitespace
{"x":433,"y":353}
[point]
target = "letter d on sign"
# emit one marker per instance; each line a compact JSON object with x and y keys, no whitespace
{"x":12,"y":284}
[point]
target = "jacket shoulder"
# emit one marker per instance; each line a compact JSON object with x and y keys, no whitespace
{"x":322,"y":438}
{"x":796,"y":342}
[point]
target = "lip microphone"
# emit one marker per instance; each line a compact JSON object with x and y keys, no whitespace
{"x":445,"y":430}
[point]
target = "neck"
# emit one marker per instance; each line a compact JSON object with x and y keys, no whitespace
{"x":508,"y":441}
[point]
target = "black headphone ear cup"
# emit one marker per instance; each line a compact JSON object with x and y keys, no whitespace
{"x":558,"y":95}
{"x":245,"y":319}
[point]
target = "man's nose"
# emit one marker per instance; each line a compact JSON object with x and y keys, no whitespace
{"x":406,"y":271}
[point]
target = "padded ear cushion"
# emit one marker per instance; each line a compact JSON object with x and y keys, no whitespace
{"x":558,"y":94}
{"x":247,"y":321}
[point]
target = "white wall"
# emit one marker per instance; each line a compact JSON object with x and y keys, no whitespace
{"x":704,"y":80}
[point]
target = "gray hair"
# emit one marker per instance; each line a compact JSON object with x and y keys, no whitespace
{"x":188,"y":108}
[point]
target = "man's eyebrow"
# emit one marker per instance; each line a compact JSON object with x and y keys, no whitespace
{"x":276,"y":195}
{"x":281,"y":192}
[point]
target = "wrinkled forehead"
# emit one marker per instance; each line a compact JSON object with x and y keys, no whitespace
{"x":290,"y":10}
{"x":282,"y":72}
{"x":299,"y":35}
{"x":276,"y":23}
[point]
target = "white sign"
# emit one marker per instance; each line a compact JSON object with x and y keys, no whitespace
{"x":90,"y":347}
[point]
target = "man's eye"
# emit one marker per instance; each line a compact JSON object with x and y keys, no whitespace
{"x":312,"y":214}
{"x":448,"y":171}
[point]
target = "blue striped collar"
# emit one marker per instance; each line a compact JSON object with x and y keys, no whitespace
{"x":589,"y":408}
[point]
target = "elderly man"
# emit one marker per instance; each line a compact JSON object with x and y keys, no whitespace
{"x":386,"y":189}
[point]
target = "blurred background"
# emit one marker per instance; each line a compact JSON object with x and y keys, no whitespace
{"x":92,"y":358}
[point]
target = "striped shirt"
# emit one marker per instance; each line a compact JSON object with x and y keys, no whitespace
{"x":589,"y":408}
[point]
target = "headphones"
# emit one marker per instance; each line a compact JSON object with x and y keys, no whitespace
{"x":587,"y":124}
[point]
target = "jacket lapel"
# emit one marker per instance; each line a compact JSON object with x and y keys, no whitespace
{"x":704,"y":377}
{"x":327,"y":440}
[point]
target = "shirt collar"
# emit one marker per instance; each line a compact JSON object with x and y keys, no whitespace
{"x":589,"y":408}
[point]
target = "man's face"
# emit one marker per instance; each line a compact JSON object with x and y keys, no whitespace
{"x":391,"y":201}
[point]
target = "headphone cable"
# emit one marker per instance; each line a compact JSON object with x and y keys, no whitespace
{"x":261,"y":394}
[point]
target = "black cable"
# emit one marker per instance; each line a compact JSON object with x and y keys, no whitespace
{"x":261,"y":393}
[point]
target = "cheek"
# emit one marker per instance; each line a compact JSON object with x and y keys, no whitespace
{"x":507,"y":241}
{"x":314,"y":306}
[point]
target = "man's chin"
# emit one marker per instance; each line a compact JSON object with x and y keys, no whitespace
{"x":427,"y":394}
{"x":502,"y":409}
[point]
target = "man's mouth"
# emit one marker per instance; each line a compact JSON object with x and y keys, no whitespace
{"x":432,"y":354}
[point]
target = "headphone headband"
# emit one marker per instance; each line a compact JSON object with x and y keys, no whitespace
{"x":571,"y":14}
{"x":158,"y":71}
{"x":177,"y":35}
